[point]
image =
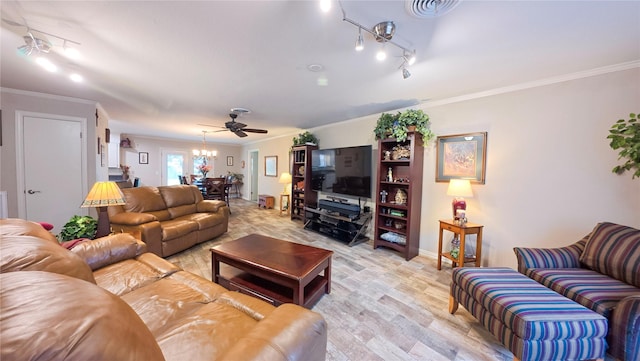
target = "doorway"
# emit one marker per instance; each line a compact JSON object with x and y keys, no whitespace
{"x":253,"y":174}
{"x":174,"y":166}
{"x":51,"y":167}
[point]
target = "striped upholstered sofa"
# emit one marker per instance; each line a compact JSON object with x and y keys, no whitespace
{"x":600,"y":272}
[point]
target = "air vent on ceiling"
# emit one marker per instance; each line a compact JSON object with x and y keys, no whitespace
{"x":430,"y":8}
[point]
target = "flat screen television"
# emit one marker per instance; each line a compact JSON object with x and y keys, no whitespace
{"x":344,"y":171}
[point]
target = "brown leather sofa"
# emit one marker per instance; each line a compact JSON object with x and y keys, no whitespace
{"x":107,"y":299}
{"x":169,"y":219}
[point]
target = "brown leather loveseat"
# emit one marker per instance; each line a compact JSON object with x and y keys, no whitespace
{"x":107,"y":299}
{"x":169,"y":219}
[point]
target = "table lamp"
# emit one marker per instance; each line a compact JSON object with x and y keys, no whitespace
{"x":102,"y":195}
{"x":459,"y":188}
{"x":285,"y":178}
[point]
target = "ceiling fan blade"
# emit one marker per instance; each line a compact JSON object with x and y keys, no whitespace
{"x":251,"y":130}
{"x":209,"y":125}
{"x":240,"y":133}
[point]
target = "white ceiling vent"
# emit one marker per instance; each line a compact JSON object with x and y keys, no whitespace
{"x":430,"y":8}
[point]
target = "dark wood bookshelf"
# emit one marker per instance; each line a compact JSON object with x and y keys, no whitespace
{"x":391,"y":216}
{"x":301,"y":197}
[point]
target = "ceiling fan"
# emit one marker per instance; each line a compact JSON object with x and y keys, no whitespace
{"x":239,"y":129}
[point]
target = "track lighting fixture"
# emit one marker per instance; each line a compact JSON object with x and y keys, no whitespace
{"x":383,"y":32}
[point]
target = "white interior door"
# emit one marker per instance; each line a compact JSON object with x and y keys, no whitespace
{"x":52,"y":151}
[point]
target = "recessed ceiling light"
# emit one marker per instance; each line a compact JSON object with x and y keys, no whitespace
{"x":76,"y":77}
{"x":240,"y":110}
{"x":45,"y":63}
{"x":315,"y":68}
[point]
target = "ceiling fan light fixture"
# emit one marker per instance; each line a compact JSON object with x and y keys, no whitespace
{"x":34,"y":45}
{"x":405,"y":73}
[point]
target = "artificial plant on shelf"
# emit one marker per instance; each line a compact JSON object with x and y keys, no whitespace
{"x":304,"y":138}
{"x":397,"y":125}
{"x":625,"y":135}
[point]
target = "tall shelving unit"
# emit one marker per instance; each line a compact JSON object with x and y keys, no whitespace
{"x":394,"y":219}
{"x":301,"y":175}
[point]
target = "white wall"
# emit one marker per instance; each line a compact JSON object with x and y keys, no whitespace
{"x":548,"y":176}
{"x":12,"y":101}
{"x":150,"y":174}
{"x":268,"y":185}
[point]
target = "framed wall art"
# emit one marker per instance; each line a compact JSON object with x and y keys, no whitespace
{"x":271,"y":166}
{"x":143,"y":157}
{"x":229,"y":161}
{"x":461,"y":156}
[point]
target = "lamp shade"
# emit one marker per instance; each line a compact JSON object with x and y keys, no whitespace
{"x":104,"y":194}
{"x":459,"y":188}
{"x":285,"y":178}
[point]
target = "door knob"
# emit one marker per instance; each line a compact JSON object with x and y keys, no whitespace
{"x":31,"y":191}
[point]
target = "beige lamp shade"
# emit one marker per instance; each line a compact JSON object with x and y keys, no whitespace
{"x":104,"y":194}
{"x":459,"y":188}
{"x":285,"y":178}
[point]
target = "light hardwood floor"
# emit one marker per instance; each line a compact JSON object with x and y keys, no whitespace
{"x":381,"y":307}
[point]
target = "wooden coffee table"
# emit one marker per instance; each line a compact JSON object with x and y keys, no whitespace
{"x":274,"y":270}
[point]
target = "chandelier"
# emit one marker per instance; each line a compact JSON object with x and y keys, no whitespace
{"x":203,"y":153}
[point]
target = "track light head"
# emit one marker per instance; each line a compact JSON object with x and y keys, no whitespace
{"x":359,"y":41}
{"x":405,"y":73}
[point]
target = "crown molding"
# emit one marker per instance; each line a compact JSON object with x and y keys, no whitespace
{"x":48,"y":96}
{"x":537,"y":83}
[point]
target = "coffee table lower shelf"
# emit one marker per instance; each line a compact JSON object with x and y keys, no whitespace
{"x":271,"y":292}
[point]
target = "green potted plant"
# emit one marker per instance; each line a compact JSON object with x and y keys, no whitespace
{"x":78,"y":227}
{"x":304,"y":138}
{"x":398,"y":125}
{"x":625,"y":136}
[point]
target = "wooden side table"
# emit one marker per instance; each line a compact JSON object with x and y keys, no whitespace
{"x":462,"y":231}
{"x":284,"y":207}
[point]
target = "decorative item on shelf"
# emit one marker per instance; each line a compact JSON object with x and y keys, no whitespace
{"x":125,"y":143}
{"x":397,"y":126}
{"x":390,"y":175}
{"x":383,"y":196}
{"x":102,"y":195}
{"x":300,"y":186}
{"x":401,"y":152}
{"x":301,"y":170}
{"x":459,"y":188}
{"x":401,"y":197}
{"x":125,"y":171}
{"x":305,"y":138}
{"x":399,"y":225}
{"x":397,"y":213}
{"x":387,"y":155}
{"x":625,"y":135}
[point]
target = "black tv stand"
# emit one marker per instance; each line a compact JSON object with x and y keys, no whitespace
{"x":333,"y":225}
{"x":338,"y":199}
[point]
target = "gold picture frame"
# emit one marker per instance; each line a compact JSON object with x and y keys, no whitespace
{"x":461,"y":156}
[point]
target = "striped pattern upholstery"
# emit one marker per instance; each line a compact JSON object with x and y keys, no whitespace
{"x":591,"y":289}
{"x":564,"y":257}
{"x":614,"y":250}
{"x":625,"y":341}
{"x":531,"y":320}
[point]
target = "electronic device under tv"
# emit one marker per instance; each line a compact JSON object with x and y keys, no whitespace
{"x":345,"y":171}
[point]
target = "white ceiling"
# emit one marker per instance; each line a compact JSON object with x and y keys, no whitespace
{"x":160,"y":68}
